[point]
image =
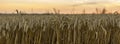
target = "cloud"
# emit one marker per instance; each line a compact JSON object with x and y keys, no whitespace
{"x":98,"y":1}
{"x":93,"y":2}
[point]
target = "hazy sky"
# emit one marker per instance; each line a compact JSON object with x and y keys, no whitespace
{"x":58,"y":1}
{"x":37,"y":5}
{"x":55,"y":1}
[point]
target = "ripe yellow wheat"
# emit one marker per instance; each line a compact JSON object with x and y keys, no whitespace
{"x":60,"y":29}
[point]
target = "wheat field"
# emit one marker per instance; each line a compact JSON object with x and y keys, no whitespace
{"x":59,"y":29}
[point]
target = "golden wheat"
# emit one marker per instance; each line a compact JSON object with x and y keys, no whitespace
{"x":60,"y":29}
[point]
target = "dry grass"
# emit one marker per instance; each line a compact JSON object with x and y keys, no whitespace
{"x":60,"y":29}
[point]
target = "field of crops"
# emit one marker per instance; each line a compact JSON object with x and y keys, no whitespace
{"x":59,"y":29}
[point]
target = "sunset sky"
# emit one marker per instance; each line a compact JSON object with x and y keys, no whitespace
{"x":65,"y":6}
